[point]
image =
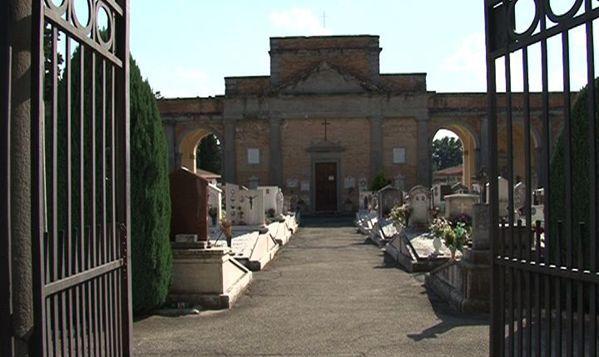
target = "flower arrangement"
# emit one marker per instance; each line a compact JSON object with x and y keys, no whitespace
{"x":457,"y":238}
{"x":400,"y":214}
{"x":438,"y":227}
{"x":455,"y":234}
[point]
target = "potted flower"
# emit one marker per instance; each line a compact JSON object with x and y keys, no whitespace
{"x":437,"y":229}
{"x":400,"y":215}
{"x":455,"y":238}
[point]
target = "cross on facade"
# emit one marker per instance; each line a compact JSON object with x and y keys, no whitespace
{"x":325,"y":124}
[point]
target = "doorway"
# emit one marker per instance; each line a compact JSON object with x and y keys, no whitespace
{"x":325,"y":179}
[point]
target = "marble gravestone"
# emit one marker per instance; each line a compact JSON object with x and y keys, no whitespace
{"x":388,"y":197}
{"x":420,"y":203}
{"x":280,"y":209}
{"x":366,"y":198}
{"x":215,"y":198}
{"x":270,"y":199}
{"x":231,"y":204}
{"x":439,"y":191}
{"x":503,"y":194}
{"x":519,"y":196}
{"x":189,"y":206}
{"x":251,"y":208}
{"x":460,"y":203}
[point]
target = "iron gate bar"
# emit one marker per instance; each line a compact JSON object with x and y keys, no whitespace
{"x":81,"y":262}
{"x":592,"y":115}
{"x":74,"y":280}
{"x":68,"y":29}
{"x":553,"y":266}
{"x":5,"y":236}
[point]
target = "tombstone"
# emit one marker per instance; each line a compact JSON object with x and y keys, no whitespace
{"x":438,"y":193}
{"x":189,"y":205}
{"x":365,"y":198}
{"x":420,"y":203}
{"x":519,"y":196}
{"x":231,"y":204}
{"x":538,"y":205}
{"x":399,"y":182}
{"x":459,"y":188}
{"x":503,"y":194}
{"x":270,"y":200}
{"x":460,"y":203}
{"x":215,"y":205}
{"x":363,"y":184}
{"x":280,"y":200}
{"x":388,"y":197}
{"x":251,"y":208}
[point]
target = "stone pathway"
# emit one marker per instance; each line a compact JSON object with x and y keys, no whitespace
{"x":329,"y":294}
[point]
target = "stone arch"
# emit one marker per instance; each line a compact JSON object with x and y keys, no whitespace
{"x":188,"y":145}
{"x":471,"y":142}
{"x":187,"y":140}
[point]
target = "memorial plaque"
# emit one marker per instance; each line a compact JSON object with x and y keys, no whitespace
{"x":189,"y":204}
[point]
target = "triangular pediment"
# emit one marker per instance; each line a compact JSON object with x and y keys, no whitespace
{"x":325,"y":79}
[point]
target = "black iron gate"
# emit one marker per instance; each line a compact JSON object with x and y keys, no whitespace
{"x":80,"y":177}
{"x":5,"y":297}
{"x":545,"y":275}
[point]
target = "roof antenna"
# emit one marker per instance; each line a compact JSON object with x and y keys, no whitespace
{"x":324,"y":19}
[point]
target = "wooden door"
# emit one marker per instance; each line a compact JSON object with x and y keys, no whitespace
{"x":326,"y":186}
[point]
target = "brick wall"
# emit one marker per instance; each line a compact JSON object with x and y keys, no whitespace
{"x":401,"y":132}
{"x":252,"y":134}
{"x":352,"y":134}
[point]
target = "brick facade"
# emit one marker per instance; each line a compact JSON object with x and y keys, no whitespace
{"x":369,"y":114}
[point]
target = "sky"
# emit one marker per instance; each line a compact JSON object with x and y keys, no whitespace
{"x":185,"y":48}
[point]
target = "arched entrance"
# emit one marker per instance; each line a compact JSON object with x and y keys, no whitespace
{"x":190,"y":150}
{"x":454,"y":151}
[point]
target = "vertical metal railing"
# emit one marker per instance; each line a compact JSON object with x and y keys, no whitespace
{"x":545,"y":276}
{"x":5,"y":234}
{"x":81,"y":178}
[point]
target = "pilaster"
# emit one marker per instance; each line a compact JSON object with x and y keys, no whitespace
{"x":230,"y":161}
{"x":276,"y":157}
{"x":376,"y":145}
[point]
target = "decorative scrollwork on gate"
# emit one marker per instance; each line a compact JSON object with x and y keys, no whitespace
{"x":98,"y":31}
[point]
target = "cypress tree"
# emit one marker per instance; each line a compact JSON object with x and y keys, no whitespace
{"x":150,"y":201}
{"x":150,"y":193}
{"x":581,"y":147}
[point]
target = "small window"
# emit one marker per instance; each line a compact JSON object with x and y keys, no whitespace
{"x":253,"y":156}
{"x":399,"y":155}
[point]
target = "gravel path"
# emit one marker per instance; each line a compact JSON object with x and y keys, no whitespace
{"x":326,"y":294}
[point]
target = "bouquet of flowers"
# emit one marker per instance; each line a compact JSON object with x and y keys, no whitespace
{"x":401,"y":214}
{"x":438,"y":227}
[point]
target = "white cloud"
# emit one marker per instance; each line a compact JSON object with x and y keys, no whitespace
{"x":298,"y":21}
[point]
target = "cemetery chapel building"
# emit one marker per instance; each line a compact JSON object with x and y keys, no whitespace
{"x":326,"y":121}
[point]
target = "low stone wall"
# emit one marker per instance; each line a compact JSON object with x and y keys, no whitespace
{"x":215,"y":277}
{"x":210,"y":277}
{"x":465,"y":283}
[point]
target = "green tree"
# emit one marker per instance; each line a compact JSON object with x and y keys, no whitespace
{"x":150,"y":200}
{"x":209,"y":154}
{"x":150,"y":192}
{"x":447,"y":152}
{"x":581,"y":147}
{"x":379,"y":181}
